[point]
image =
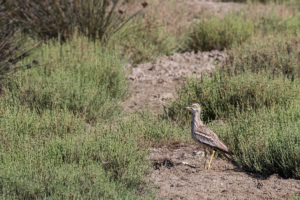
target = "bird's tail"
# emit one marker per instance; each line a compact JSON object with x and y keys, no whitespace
{"x":229,"y":156}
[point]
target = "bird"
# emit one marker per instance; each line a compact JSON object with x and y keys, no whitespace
{"x":205,"y":136}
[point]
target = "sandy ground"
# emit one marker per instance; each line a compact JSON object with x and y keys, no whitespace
{"x":178,"y":170}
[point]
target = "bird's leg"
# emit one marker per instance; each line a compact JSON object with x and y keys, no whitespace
{"x":205,"y":158}
{"x":211,"y":158}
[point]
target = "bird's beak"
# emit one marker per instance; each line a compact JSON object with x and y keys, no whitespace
{"x":187,"y":108}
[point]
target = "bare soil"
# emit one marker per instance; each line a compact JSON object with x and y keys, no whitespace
{"x":178,"y":171}
{"x":153,"y":84}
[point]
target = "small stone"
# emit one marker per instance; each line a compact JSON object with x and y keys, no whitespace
{"x":166,"y":96}
{"x":151,"y":68}
{"x":160,"y":81}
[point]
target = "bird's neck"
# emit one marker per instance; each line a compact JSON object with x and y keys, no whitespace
{"x":197,"y":120}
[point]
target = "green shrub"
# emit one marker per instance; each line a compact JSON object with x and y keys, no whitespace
{"x":152,"y":130}
{"x":272,"y":55}
{"x":221,"y":96}
{"x":220,"y":33}
{"x":80,"y":76}
{"x":55,"y":155}
{"x":266,"y":141}
{"x":279,"y":24}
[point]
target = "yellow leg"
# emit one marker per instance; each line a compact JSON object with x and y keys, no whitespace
{"x":205,"y":158}
{"x":211,"y":158}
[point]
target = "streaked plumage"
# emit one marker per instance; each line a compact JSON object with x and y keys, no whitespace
{"x":204,"y":135}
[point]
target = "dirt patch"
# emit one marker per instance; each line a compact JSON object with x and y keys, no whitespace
{"x":178,"y":173}
{"x":152,"y":84}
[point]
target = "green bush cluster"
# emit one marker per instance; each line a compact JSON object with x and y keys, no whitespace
{"x":220,"y":33}
{"x":54,"y":155}
{"x":273,"y":56}
{"x":276,"y":23}
{"x":84,"y":78}
{"x":217,"y":33}
{"x":224,"y":95}
{"x":267,"y":140}
{"x":63,"y":135}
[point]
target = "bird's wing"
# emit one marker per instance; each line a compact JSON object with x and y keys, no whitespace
{"x":208,"y":137}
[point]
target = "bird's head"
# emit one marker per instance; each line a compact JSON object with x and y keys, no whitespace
{"x":194,"y":108}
